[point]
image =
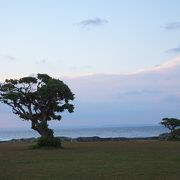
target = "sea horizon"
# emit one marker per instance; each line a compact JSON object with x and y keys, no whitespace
{"x":74,"y":132}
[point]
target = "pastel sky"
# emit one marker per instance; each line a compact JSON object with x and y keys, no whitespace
{"x":120,"y":57}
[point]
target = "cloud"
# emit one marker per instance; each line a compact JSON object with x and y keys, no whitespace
{"x":172,"y":26}
{"x":9,"y":58}
{"x":142,"y":97}
{"x":80,"y":68}
{"x":143,"y":92}
{"x":171,"y":99}
{"x":88,"y":23}
{"x":153,"y":84}
{"x":42,"y":61}
{"x":170,"y":65}
{"x":174,"y":50}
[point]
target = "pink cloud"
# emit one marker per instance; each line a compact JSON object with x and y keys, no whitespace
{"x":107,"y":87}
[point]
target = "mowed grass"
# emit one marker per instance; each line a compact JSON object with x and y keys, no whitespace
{"x":92,"y":160}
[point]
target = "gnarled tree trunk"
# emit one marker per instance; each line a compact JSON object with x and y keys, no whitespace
{"x":42,"y":128}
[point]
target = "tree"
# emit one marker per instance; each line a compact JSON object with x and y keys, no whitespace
{"x":171,"y":124}
{"x":37,"y":99}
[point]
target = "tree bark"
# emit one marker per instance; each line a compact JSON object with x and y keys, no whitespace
{"x":42,"y":128}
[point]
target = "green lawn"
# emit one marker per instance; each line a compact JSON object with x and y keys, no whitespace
{"x":92,"y":160}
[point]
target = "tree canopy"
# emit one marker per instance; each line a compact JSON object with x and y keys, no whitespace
{"x":171,"y":124}
{"x":38,"y":99}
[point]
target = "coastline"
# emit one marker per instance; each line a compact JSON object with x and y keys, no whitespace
{"x":86,"y":139}
{"x":88,"y":133}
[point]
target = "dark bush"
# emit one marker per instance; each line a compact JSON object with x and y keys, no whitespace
{"x":173,"y":138}
{"x":177,"y":132}
{"x":49,"y":142}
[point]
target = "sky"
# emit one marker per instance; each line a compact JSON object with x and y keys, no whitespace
{"x":121,"y":58}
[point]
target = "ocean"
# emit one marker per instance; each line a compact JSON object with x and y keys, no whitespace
{"x":103,"y":132}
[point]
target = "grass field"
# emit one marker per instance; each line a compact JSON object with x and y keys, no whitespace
{"x":92,"y":160}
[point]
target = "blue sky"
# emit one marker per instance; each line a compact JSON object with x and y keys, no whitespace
{"x":48,"y":36}
{"x":68,"y":38}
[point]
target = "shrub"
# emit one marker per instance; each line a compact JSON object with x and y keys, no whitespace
{"x":49,"y":142}
{"x":177,"y":132}
{"x":173,"y":138}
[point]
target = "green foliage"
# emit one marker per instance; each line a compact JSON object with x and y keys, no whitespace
{"x":172,"y":138}
{"x":38,"y":99}
{"x":177,"y":132}
{"x":27,"y":80}
{"x":172,"y":124}
{"x":49,"y":142}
